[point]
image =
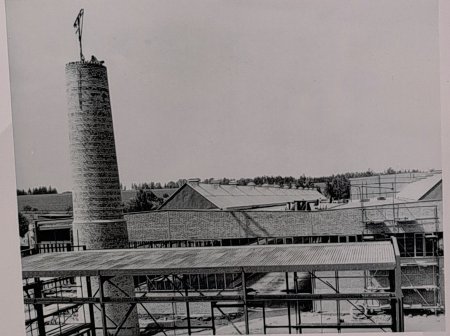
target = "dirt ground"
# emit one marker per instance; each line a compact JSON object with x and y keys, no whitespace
{"x":276,"y":317}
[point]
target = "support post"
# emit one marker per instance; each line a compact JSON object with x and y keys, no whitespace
{"x":264,"y":317}
{"x":213,"y":319}
{"x":244,"y":295}
{"x":39,"y":307}
{"x":91,"y":305}
{"x":395,"y":282}
{"x":102,"y":305}
{"x":186,"y":293}
{"x":288,"y":303}
{"x":298,"y":316}
{"x":338,"y":303}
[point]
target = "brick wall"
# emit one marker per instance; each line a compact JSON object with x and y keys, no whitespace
{"x":198,"y":224}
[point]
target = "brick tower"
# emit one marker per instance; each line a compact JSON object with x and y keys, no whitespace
{"x":98,"y":219}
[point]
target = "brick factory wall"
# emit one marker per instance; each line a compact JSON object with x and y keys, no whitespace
{"x":197,"y":224}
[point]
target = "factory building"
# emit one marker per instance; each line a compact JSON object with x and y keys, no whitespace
{"x":195,"y":195}
{"x":218,"y":240}
{"x":415,"y":221}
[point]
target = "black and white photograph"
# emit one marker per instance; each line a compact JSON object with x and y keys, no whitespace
{"x":213,"y":167}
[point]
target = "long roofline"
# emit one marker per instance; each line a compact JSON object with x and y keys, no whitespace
{"x":253,"y":259}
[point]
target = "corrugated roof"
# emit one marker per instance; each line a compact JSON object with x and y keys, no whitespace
{"x":235,"y":197}
{"x":267,"y":258}
{"x":416,"y":190}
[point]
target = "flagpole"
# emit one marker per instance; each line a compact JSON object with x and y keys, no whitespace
{"x":79,"y":25}
{"x":81,"y":33}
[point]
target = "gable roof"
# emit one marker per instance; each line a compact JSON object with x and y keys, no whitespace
{"x":417,"y":190}
{"x":245,"y":197}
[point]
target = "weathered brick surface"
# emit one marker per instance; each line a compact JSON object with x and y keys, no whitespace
{"x":96,"y":187}
{"x":101,"y":235}
{"x":179,"y":224}
{"x":98,"y":220}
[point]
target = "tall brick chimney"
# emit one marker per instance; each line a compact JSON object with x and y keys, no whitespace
{"x":98,"y":219}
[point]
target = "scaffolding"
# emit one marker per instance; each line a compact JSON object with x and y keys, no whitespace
{"x":416,"y":228}
{"x":102,"y":267}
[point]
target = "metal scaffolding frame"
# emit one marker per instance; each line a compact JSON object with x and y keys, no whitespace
{"x":245,"y":299}
{"x":393,"y":224}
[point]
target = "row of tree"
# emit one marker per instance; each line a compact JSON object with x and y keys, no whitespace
{"x":158,"y":185}
{"x":334,"y":187}
{"x":37,"y":191}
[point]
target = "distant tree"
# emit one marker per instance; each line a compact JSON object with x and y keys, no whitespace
{"x":42,"y":190}
{"x":338,"y":187}
{"x":23,"y":224}
{"x":258,"y":180}
{"x":144,"y":201}
{"x":21,"y":192}
{"x":390,"y":170}
{"x":181,"y":182}
{"x":170,"y":184}
{"x":141,"y":202}
{"x":243,"y":181}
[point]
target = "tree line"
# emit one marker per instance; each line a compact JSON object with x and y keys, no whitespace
{"x":335,"y":186}
{"x":158,"y":185}
{"x":37,"y":191}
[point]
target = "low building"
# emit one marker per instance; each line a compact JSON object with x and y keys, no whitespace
{"x":195,"y":195}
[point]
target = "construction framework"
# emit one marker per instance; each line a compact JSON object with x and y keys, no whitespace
{"x":416,"y":229}
{"x":97,"y":267}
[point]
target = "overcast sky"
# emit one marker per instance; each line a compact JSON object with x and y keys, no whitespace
{"x":233,"y":88}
